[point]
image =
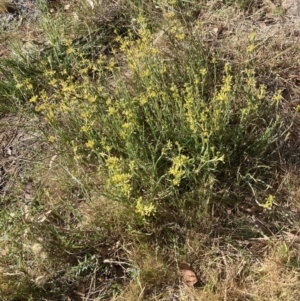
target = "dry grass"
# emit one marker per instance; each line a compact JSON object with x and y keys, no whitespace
{"x":72,"y":242}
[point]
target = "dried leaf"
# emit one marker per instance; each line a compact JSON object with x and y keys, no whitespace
{"x":188,"y":275}
{"x":104,"y":251}
{"x":218,"y":30}
{"x":80,"y":290}
{"x":215,"y":30}
{"x":52,"y":160}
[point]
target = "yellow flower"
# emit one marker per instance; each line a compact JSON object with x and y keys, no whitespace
{"x":262,"y":92}
{"x":29,"y":87}
{"x":92,"y":99}
{"x":107,"y":148}
{"x":70,"y":50}
{"x":145,"y":73}
{"x":143,"y":100}
{"x":203,"y":71}
{"x":252,"y":36}
{"x":49,"y":73}
{"x":84,"y":71}
{"x":170,"y":15}
{"x":278,"y":96}
{"x":180,"y":36}
{"x":53,"y":82}
{"x":111,"y":110}
{"x":127,"y":125}
{"x":251,"y":48}
{"x":269,"y":202}
{"x":90,"y":144}
{"x":112,"y":162}
{"x":131,"y":166}
{"x":145,"y":210}
{"x":84,"y":128}
{"x":178,"y":168}
{"x":68,"y":42}
{"x":50,"y":114}
{"x":33,"y":98}
{"x":77,"y":157}
{"x":51,"y":138}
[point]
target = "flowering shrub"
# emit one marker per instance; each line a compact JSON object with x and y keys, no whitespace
{"x":158,"y":126}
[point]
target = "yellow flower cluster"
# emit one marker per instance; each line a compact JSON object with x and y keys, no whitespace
{"x":251,"y":38}
{"x":175,"y":28}
{"x":178,"y":169}
{"x":118,"y":179}
{"x":70,"y":99}
{"x":144,"y":209}
{"x":224,"y":93}
{"x":141,"y":53}
{"x":269,"y":201}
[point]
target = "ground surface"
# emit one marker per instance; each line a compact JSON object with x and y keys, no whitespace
{"x":62,"y":240}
